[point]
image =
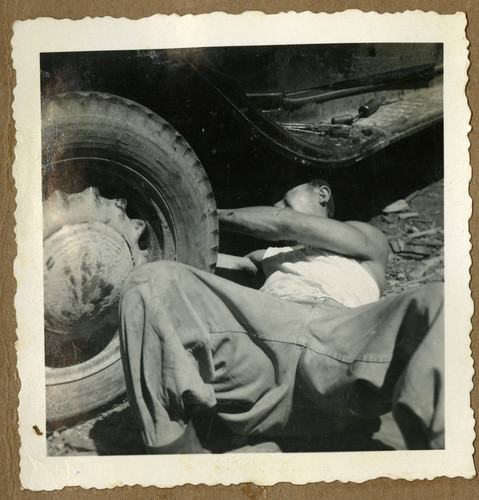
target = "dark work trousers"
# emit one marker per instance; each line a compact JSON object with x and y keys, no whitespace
{"x":191,"y":340}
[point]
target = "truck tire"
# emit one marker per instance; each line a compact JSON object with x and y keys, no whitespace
{"x":103,"y":155}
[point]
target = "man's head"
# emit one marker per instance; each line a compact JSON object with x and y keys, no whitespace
{"x":314,"y":198}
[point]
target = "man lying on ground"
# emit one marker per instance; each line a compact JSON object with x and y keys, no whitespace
{"x":309,"y":354}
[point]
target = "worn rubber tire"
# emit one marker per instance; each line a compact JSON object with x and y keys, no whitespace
{"x":140,"y":157}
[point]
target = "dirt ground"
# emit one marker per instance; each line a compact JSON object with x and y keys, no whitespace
{"x":415,"y":230}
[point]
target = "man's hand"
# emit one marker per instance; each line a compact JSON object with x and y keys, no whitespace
{"x":235,"y":263}
{"x":246,"y":271}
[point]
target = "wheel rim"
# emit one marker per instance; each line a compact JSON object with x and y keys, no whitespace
{"x":145,"y":202}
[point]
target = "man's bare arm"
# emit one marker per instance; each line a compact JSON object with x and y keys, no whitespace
{"x":355,"y":239}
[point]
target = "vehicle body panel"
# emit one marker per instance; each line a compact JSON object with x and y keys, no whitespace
{"x":285,"y":96}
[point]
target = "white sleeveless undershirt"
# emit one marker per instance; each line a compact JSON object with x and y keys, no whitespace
{"x":305,"y":274}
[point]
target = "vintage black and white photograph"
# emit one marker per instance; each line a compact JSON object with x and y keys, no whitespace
{"x":243,"y":249}
{"x":312,"y":176}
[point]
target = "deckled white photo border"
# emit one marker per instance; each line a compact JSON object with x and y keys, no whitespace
{"x":39,"y":472}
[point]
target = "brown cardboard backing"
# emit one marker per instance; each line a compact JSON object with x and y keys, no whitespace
{"x":11,"y":10}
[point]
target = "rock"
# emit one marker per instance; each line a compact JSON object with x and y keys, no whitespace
{"x":408,"y":215}
{"x":419,"y":234}
{"x":418,"y":249}
{"x":427,"y":264}
{"x":396,"y":244}
{"x":397,"y":206}
{"x":387,"y":218}
{"x":76,"y":440}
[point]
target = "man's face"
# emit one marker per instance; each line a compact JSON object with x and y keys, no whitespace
{"x":303,"y":198}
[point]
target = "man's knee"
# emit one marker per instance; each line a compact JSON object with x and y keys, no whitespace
{"x":435,"y":289}
{"x":158,"y":269}
{"x":427,"y":297}
{"x":147,"y":281}
{"x":146,"y":287}
{"x":161,"y":271}
{"x":156,"y":283}
{"x":433,"y":296}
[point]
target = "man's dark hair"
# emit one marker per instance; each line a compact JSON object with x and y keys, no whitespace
{"x":317,"y":183}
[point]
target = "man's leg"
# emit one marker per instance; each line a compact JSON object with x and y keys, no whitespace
{"x":418,"y":399}
{"x":190,"y":338}
{"x":382,"y":356}
{"x":193,"y":340}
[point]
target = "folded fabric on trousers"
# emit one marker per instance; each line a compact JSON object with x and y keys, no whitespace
{"x":193,"y":340}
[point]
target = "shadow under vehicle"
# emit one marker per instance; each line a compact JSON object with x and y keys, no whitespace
{"x":139,"y":146}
